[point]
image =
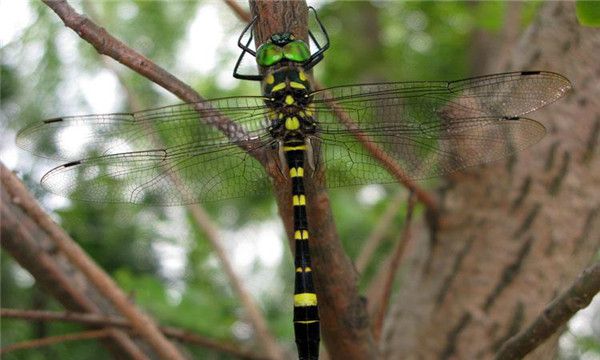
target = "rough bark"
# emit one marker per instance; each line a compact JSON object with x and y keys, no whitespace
{"x":513,"y":233}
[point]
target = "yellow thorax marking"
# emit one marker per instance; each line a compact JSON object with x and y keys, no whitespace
{"x":297,"y":85}
{"x":309,"y":111}
{"x":278,"y":87}
{"x":297,"y":172}
{"x":289,"y":99}
{"x":302,"y":75}
{"x":305,"y":299}
{"x":292,"y":123}
{"x":270,"y":79}
{"x":292,"y":148}
{"x":298,"y":200}
{"x":301,"y":235}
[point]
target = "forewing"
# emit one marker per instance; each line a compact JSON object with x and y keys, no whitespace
{"x":173,"y":127}
{"x":174,"y":155}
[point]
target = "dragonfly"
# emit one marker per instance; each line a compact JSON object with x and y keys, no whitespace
{"x":201,"y":152}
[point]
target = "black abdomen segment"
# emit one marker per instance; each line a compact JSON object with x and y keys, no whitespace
{"x":306,"y":315}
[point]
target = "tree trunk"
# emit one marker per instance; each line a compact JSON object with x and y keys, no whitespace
{"x":512,"y":233}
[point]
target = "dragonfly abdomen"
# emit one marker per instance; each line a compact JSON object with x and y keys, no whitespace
{"x":306,"y":315}
{"x":287,"y":94}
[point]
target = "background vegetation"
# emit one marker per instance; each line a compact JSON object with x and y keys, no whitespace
{"x":157,"y":254}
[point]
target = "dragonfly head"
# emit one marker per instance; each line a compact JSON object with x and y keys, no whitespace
{"x":281,"y":39}
{"x":282,"y":47}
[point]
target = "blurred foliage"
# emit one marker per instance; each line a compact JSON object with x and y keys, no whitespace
{"x":588,"y":12}
{"x":47,"y":71}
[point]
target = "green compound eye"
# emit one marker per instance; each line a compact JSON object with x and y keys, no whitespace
{"x":268,"y":54}
{"x":296,"y":51}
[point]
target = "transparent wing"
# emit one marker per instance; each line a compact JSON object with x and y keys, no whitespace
{"x":179,"y":127}
{"x":168,"y":156}
{"x":430,"y":128}
{"x":161,"y":177}
{"x":188,"y":153}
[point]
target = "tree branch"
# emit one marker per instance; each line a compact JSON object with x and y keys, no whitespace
{"x":344,"y":319}
{"x":387,"y":162}
{"x":555,"y":315}
{"x":36,"y":252}
{"x":242,"y":14}
{"x":106,"y":44}
{"x":371,"y":244}
{"x":17,"y":197}
{"x":51,"y":340}
{"x":104,"y":321}
{"x":110,"y":46}
{"x":262,"y":333}
{"x":382,"y":304}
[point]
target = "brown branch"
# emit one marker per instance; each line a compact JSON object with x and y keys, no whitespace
{"x":263,"y":335}
{"x":383,"y":302}
{"x":555,"y":315}
{"x":374,"y":239}
{"x":32,"y":247}
{"x":106,"y":44}
{"x":376,"y":152}
{"x":210,"y":230}
{"x":237,"y":9}
{"x":71,"y":250}
{"x":110,"y":46}
{"x":390,"y":164}
{"x":51,"y":340}
{"x":264,"y":31}
{"x":101,"y":320}
{"x":344,"y":320}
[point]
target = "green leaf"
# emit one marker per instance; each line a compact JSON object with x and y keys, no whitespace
{"x":588,"y":13}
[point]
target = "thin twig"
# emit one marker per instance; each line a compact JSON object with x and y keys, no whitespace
{"x":237,"y":9}
{"x":555,"y":315}
{"x":106,"y":44}
{"x":374,"y":239}
{"x":392,"y":270}
{"x":100,"y":320}
{"x":51,"y":340}
{"x":262,"y":333}
{"x":389,"y":163}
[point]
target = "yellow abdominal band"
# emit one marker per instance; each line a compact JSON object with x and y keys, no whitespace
{"x":306,"y":269}
{"x":305,"y":299}
{"x":297,"y":172}
{"x":301,"y":235}
{"x":299,"y":200}
{"x":292,"y":148}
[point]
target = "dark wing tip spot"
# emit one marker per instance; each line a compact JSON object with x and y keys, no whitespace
{"x":50,"y":121}
{"x":72,"y":163}
{"x":530,"y":72}
{"x":511,"y":118}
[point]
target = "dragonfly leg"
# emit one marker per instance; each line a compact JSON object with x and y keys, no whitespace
{"x":282,"y":160}
{"x":310,"y":154}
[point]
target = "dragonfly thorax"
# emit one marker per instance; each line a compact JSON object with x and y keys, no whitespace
{"x":287,"y":92}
